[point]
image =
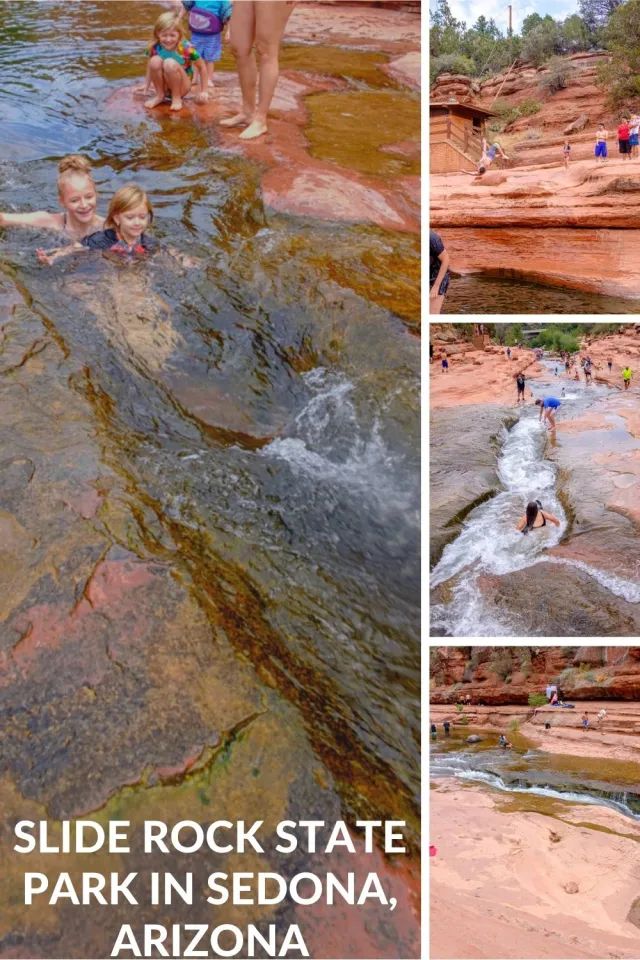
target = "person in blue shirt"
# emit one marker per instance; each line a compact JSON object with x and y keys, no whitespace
{"x":207,"y":20}
{"x":548,"y":406}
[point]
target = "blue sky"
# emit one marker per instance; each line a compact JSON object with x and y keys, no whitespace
{"x":470,"y":10}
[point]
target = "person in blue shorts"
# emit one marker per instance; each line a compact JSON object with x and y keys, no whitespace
{"x":207,"y":21}
{"x":548,"y":406}
{"x":601,"y":143}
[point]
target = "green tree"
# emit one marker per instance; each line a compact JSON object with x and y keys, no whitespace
{"x":542,"y":42}
{"x":596,"y":13}
{"x":575,"y":34}
{"x":531,"y":22}
{"x":446,"y":33}
{"x":621,"y":77}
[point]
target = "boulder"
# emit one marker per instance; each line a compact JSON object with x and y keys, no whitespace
{"x":474,"y":738}
{"x":577,"y":126}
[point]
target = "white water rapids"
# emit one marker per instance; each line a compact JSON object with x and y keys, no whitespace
{"x":490,"y":544}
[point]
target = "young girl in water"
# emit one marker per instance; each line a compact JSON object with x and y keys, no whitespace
{"x":78,"y":199}
{"x":171,"y":62}
{"x":129,"y":215}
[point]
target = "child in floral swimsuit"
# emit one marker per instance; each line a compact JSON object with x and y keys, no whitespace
{"x":171,"y":62}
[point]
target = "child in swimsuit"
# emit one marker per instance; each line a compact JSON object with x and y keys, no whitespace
{"x":207,"y":20}
{"x":129,"y":215}
{"x":78,"y":199}
{"x":171,"y":62}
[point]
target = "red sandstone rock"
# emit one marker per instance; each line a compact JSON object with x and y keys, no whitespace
{"x":480,"y":671}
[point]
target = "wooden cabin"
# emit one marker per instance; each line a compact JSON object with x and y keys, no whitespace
{"x":455,"y":135}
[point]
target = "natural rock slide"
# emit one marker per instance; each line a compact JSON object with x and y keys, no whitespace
{"x":576,"y":580}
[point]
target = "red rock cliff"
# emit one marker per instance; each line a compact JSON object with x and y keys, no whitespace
{"x":502,"y":675}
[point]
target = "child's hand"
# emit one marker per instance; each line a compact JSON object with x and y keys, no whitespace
{"x":202,"y":97}
{"x":45,"y":257}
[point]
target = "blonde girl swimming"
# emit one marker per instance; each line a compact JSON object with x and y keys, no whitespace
{"x":171,"y":63}
{"x":78,"y":199}
{"x":129,"y":214}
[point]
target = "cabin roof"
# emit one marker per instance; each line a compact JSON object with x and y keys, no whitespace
{"x":462,"y":109}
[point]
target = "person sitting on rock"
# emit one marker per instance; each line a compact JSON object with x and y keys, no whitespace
{"x":534,"y":518}
{"x":504,"y":743}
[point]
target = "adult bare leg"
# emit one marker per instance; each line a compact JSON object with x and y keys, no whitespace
{"x":271,"y":20}
{"x":243,"y":25}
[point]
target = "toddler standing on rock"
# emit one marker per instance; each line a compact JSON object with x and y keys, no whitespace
{"x":207,"y":20}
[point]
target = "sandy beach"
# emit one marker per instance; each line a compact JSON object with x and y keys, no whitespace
{"x":501,"y":886}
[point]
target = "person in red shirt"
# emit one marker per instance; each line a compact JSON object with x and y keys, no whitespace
{"x":624,"y":135}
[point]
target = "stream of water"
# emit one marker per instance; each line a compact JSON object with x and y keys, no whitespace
{"x":532,"y":773}
{"x":263,"y":417}
{"x":489,"y":543}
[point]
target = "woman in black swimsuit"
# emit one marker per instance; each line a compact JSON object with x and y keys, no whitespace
{"x":535,"y":518}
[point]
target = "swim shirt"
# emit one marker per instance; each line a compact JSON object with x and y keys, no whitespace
{"x":185,"y":53}
{"x":623,"y":131}
{"x":551,"y":402}
{"x":108,"y":240}
{"x":626,"y":373}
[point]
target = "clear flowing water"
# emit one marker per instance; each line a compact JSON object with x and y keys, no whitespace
{"x":480,"y":294}
{"x":489,"y":543}
{"x":262,"y":415}
{"x":532,"y":773}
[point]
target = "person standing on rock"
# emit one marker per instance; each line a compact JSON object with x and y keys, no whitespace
{"x":634,"y":132}
{"x":601,"y":143}
{"x":627,"y":373}
{"x":585,"y":721}
{"x":624,"y":135}
{"x":610,"y":364}
{"x":445,"y":362}
{"x":256,"y":27}
{"x":566,"y":153}
{"x":520,"y":383}
{"x":439,"y":275}
{"x":548,"y":406}
{"x":587,"y":370}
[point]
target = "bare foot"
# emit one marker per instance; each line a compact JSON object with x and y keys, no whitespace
{"x":176,"y":103}
{"x":255,"y":129}
{"x":238,"y":120}
{"x":154,"y":102}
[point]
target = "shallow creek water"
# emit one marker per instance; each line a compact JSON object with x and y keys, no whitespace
{"x":489,"y":543}
{"x":261,"y":409}
{"x":480,"y":294}
{"x":534,"y":778}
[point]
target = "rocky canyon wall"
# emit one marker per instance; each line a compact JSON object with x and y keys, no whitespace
{"x":507,"y":675}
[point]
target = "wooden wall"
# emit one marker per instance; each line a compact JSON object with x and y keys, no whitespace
{"x":451,"y":138}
